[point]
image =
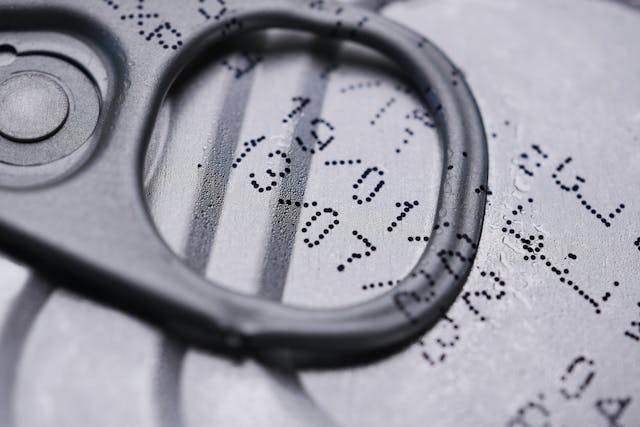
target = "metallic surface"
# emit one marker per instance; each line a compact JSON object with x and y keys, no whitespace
{"x":562,"y":76}
{"x":107,"y":190}
{"x":49,"y":103}
{"x":32,"y":107}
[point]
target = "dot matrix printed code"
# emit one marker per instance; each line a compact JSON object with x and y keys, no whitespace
{"x":301,"y":102}
{"x":580,"y":378}
{"x":532,"y":160}
{"x":151,"y":25}
{"x":382,"y":110}
{"x":316,"y":141}
{"x":342,"y":162}
{"x":271,"y":174}
{"x":243,"y":65}
{"x":575,"y":187}
{"x":528,"y":165}
{"x":155,"y":24}
{"x":368,"y":173}
{"x":634,"y":331}
{"x":533,"y":243}
{"x":478,"y":298}
{"x":437,"y":344}
{"x":331,"y":221}
{"x":445,"y":338}
{"x":572,"y":373}
{"x":158,"y":27}
{"x":406,"y":208}
{"x":315,"y":136}
{"x":205,"y":10}
{"x":416,"y":116}
{"x":369,"y":249}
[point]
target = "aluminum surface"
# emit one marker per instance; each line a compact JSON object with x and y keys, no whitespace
{"x":106,"y":189}
{"x":33,"y":107}
{"x":558,"y":76}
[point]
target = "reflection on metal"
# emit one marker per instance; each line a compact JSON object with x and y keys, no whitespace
{"x":516,"y":329}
